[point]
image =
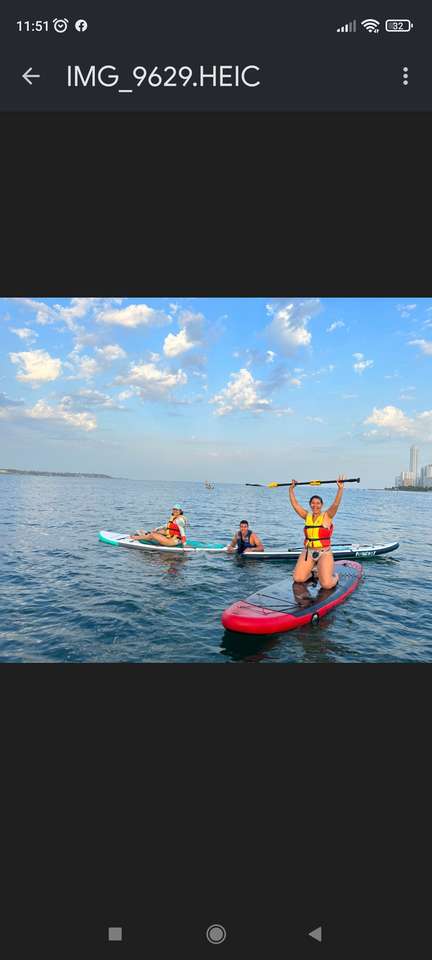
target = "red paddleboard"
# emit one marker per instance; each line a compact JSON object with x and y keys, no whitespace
{"x":286,"y":605}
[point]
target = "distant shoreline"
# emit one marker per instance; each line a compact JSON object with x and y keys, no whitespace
{"x":412,"y":489}
{"x":53,"y":473}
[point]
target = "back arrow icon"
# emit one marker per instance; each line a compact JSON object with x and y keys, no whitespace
{"x":27,"y":75}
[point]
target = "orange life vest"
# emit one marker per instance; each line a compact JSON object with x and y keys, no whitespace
{"x":173,"y":529}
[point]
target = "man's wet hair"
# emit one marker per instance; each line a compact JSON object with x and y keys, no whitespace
{"x":244,"y":521}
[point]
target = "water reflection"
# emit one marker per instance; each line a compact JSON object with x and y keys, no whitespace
{"x":166,"y":563}
{"x":308,"y":644}
{"x":248,"y":646}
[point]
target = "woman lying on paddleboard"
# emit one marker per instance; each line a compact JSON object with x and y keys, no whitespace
{"x":173,"y":534}
{"x":318,"y":530}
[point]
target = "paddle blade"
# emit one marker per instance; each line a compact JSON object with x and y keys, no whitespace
{"x":273,"y":484}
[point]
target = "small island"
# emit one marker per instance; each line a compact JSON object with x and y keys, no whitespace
{"x":53,"y":473}
{"x":415,"y":489}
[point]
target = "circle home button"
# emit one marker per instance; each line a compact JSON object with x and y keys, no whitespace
{"x":216,"y":933}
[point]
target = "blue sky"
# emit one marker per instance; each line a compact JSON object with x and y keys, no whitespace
{"x":230,"y":389}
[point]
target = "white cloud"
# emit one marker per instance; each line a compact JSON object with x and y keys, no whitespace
{"x":177,"y":343}
{"x":135,"y":315}
{"x":270,"y":356}
{"x":153,"y":382}
{"x":111,"y":352}
{"x":391,"y":423}
{"x":36,"y":366}
{"x":424,"y":420}
{"x":407,"y":393}
{"x":301,"y":375}
{"x":289,"y":323}
{"x":391,"y":419}
{"x":334,"y":326}
{"x":44,"y":313}
{"x":243,"y":393}
{"x":315,"y":419}
{"x":43,"y":411}
{"x":349,"y":396}
{"x":425,"y":346}
{"x":25,"y":333}
{"x":406,"y":309}
{"x":83,"y":368}
{"x":85,"y":398}
{"x":191,"y":334}
{"x":318,"y":373}
{"x":127,"y":394}
{"x":361,"y":364}
{"x":78,"y":307}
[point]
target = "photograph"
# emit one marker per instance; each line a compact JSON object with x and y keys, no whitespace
{"x":215,"y":479}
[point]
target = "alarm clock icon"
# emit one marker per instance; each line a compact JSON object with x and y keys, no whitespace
{"x":60,"y":26}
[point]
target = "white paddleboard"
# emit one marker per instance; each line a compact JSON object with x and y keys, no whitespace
{"x":192,"y":546}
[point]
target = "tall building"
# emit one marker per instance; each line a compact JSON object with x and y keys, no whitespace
{"x":405,"y":479}
{"x":414,"y":454}
{"x":426,"y":476}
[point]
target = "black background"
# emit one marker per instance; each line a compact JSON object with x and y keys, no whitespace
{"x":169,"y":797}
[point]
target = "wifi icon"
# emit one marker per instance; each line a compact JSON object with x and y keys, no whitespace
{"x":372,"y":26}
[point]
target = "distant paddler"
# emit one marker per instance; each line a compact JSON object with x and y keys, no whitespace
{"x":245,"y":539}
{"x":172,"y":534}
{"x":317,"y":554}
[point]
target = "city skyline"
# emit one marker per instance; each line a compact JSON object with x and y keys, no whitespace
{"x":413,"y":477}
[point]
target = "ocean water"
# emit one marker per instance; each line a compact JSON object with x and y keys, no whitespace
{"x":64,"y":596}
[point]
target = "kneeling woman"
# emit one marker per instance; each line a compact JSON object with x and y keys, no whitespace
{"x":173,"y":534}
{"x":318,"y":530}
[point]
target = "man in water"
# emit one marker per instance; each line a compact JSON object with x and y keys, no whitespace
{"x":245,"y":539}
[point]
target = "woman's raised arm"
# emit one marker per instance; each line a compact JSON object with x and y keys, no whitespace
{"x":294,"y":502}
{"x":335,"y":505}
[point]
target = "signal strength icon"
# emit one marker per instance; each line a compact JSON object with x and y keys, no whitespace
{"x":372,"y":26}
{"x":350,"y":27}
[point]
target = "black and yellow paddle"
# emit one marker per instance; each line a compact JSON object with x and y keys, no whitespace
{"x":303,"y":483}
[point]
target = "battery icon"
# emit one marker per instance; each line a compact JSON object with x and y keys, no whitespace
{"x":398,"y":26}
